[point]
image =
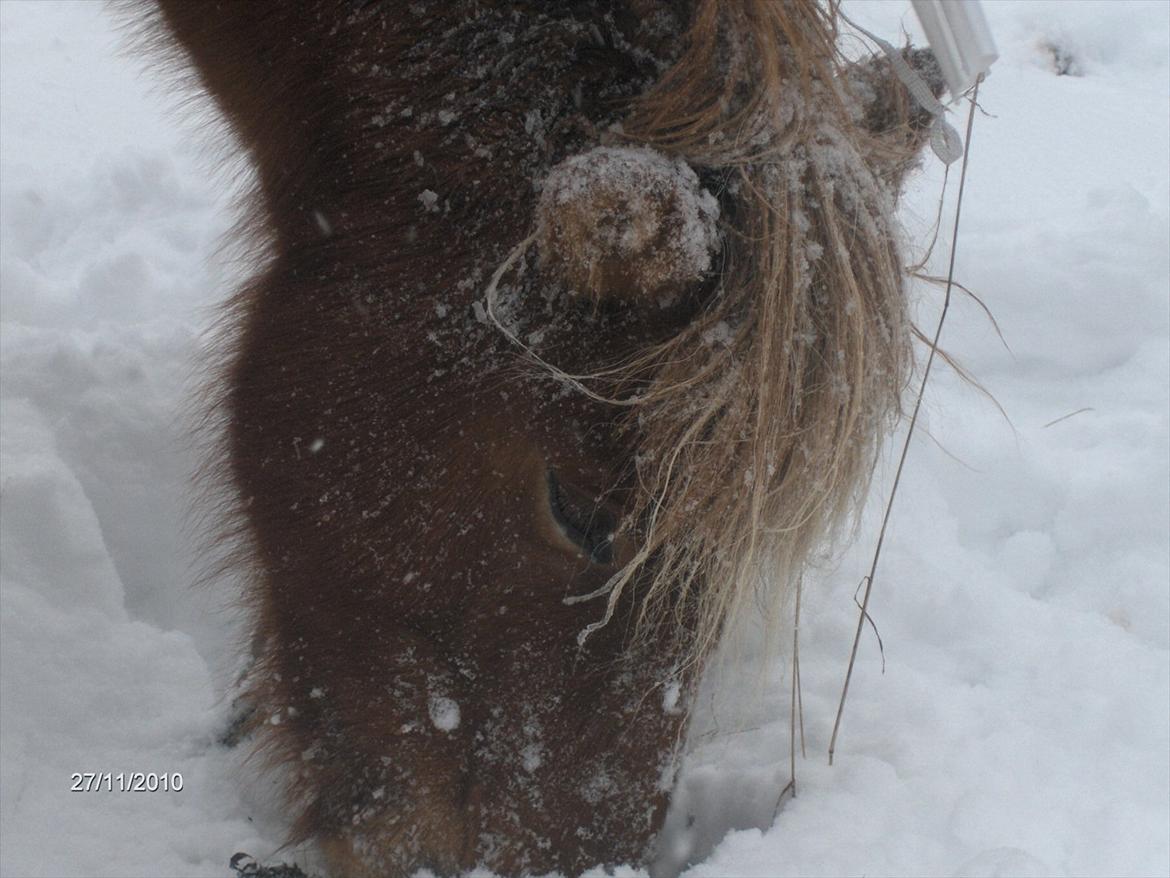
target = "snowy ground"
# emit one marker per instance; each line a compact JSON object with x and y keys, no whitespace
{"x":1021,"y":724}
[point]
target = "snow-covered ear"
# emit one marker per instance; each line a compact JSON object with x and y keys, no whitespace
{"x":626,"y":224}
{"x":899,"y":124}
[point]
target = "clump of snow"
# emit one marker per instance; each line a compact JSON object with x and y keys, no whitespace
{"x":719,"y":334}
{"x":532,"y":757}
{"x":444,"y":713}
{"x":323,"y":223}
{"x":429,"y":200}
{"x":670,"y":697}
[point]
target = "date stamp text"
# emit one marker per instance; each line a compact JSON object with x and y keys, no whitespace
{"x":126,"y":782}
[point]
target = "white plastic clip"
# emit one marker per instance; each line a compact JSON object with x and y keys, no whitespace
{"x":961,"y":41}
{"x":960,"y":38}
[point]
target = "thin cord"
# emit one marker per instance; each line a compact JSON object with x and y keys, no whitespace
{"x":910,"y":432}
{"x":795,"y":709}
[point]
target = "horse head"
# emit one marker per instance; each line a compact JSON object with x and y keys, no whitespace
{"x":574,"y":317}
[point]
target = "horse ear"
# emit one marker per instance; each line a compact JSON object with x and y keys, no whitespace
{"x":899,"y":126}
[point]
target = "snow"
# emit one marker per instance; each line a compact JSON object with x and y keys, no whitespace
{"x":1022,"y":723}
{"x":430,"y":200}
{"x":444,"y":713}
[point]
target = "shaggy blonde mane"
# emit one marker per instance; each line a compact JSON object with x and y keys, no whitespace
{"x":758,"y":424}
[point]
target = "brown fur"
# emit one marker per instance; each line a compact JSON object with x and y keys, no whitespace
{"x":390,"y":452}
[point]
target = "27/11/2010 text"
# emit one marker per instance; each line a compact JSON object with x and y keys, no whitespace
{"x":126,"y":782}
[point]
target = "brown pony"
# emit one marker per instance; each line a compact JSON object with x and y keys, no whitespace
{"x":575,"y":316}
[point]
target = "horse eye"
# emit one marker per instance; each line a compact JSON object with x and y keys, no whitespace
{"x":588,"y":524}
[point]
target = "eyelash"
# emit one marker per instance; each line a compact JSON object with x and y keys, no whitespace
{"x":590,"y":526}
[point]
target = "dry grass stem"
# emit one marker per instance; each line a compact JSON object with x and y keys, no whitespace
{"x":934,"y":348}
